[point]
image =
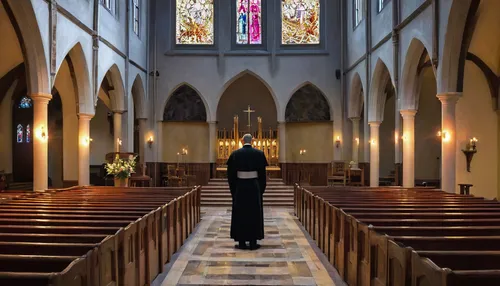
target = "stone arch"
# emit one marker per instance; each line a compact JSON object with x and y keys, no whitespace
{"x":249,"y":72}
{"x":307,"y":103}
{"x":185,"y":104}
{"x":377,"y":98}
{"x":117,"y":90}
{"x":411,"y":77}
{"x":139,"y":97}
{"x":448,"y":70}
{"x":28,"y":33}
{"x":81,"y":81}
{"x":355,"y":104}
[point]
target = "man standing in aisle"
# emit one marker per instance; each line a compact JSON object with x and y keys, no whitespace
{"x":246,"y":173}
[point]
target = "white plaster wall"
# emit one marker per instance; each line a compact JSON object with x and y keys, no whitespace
{"x":382,"y":21}
{"x":138,"y":44}
{"x":408,"y":6}
{"x":383,"y":53}
{"x":83,"y":10}
{"x":476,"y":118}
{"x":356,"y":36}
{"x":112,"y":26}
{"x":41,"y":9}
{"x":108,"y":58}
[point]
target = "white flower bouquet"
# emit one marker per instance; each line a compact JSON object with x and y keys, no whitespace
{"x":121,"y":168}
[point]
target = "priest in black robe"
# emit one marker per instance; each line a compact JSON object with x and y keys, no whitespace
{"x":246,"y":172}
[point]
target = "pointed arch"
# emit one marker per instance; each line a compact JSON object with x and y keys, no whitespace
{"x":139,"y":96}
{"x":411,"y":74}
{"x":378,"y":95}
{"x":306,"y":104}
{"x":251,"y":73}
{"x":81,"y":79}
{"x":185,"y":104}
{"x":35,"y":56}
{"x":448,"y":70}
{"x":117,"y":90}
{"x":355,"y":103}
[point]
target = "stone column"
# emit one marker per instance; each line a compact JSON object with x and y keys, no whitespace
{"x":117,"y":127}
{"x":449,"y":141}
{"x":374,"y":153}
{"x":355,"y":140}
{"x":84,"y":149}
{"x":282,"y":141}
{"x":142,"y":139}
{"x":408,"y":148}
{"x":212,"y":142}
{"x":40,"y":142}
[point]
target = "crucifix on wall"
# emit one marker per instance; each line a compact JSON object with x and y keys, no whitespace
{"x":249,"y":111}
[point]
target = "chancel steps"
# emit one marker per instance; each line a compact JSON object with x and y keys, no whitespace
{"x":217,"y":193}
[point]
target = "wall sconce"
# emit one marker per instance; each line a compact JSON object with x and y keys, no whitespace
{"x":357,"y":141}
{"x":469,"y":151}
{"x":184,"y":151}
{"x":372,"y":141}
{"x":396,"y":137}
{"x":337,"y":142}
{"x":86,"y":141}
{"x":302,"y":151}
{"x":445,"y":135}
{"x":42,"y":134}
{"x":150,"y":141}
{"x":404,"y":137}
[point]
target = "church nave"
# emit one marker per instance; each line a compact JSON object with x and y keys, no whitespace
{"x":287,"y":256}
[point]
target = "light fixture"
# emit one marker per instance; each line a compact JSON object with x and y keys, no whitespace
{"x":396,"y":136}
{"x":86,"y":141}
{"x":42,"y":134}
{"x":469,"y":151}
{"x":372,"y":141}
{"x":357,"y":141}
{"x":404,"y":137}
{"x":302,"y":151}
{"x":337,"y":142}
{"x":150,"y":141}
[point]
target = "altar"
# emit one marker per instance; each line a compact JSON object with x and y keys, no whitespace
{"x":265,"y":140}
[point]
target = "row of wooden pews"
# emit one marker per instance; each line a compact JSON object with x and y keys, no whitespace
{"x":93,"y":236}
{"x":391,"y":236}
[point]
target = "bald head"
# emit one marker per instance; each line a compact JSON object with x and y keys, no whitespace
{"x":247,"y":139}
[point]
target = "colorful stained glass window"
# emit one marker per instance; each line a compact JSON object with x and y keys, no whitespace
{"x":20,"y":133}
{"x":249,"y":22}
{"x":25,"y":102}
{"x":195,"y":22}
{"x":300,"y":22}
{"x":28,"y":134}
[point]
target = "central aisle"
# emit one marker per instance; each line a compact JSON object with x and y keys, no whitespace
{"x":285,"y":258}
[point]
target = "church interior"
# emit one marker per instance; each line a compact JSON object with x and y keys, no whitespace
{"x":378,"y":119}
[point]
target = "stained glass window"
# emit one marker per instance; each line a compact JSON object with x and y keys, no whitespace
{"x":20,"y":133}
{"x":249,"y":22}
{"x":300,"y":22}
{"x":28,"y":133}
{"x":25,"y":102}
{"x":195,"y":22}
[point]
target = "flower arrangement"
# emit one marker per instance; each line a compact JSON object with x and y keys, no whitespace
{"x":121,"y":168}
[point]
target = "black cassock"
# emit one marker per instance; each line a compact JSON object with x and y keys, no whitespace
{"x":247,"y":220}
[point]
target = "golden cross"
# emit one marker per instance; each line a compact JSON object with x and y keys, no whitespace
{"x":249,"y":111}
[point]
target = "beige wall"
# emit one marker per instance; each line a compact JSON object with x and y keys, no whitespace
{"x":247,"y":90}
{"x":386,"y":138}
{"x":427,"y":124}
{"x":102,"y":139}
{"x":315,"y":137}
{"x":476,"y":118}
{"x":64,"y":84}
{"x":190,"y":135}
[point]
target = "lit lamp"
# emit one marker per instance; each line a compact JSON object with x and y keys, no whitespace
{"x":357,"y":141}
{"x":372,"y":141}
{"x":150,"y":141}
{"x":118,"y":143}
{"x":301,"y":172}
{"x":42,"y":135}
{"x":337,"y":142}
{"x":469,"y":151}
{"x":445,"y":135}
{"x":86,"y":141}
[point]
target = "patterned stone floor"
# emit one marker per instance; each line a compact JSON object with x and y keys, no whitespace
{"x":287,"y":256}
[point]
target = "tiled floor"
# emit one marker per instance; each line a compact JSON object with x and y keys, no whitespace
{"x":287,"y":256}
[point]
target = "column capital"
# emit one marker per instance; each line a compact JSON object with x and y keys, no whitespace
{"x":84,"y":116}
{"x":375,"y":123}
{"x":408,"y":113}
{"x":41,"y":97}
{"x":355,"y":118}
{"x":449,"y":97}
